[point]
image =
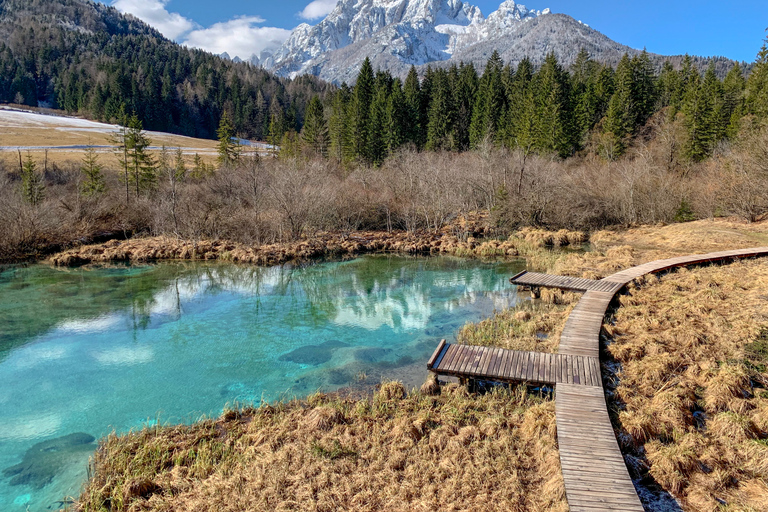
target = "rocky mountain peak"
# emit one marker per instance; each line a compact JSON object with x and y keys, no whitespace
{"x":396,"y":34}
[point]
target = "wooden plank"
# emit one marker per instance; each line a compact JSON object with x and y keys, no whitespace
{"x":494,"y":362}
{"x":504,"y":371}
{"x":469,"y":365}
{"x":436,"y":353}
{"x":464,"y":363}
{"x":448,"y":357}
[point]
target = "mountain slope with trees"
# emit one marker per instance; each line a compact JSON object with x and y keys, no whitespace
{"x":87,"y":58}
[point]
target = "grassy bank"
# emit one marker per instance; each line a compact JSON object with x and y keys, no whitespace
{"x":530,"y":243}
{"x":389,"y":452}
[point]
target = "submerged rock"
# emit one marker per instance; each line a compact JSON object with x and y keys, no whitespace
{"x":45,"y":460}
{"x":313,"y":355}
{"x":371,"y":355}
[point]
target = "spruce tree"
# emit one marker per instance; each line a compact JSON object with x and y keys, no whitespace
{"x":734,"y":86}
{"x":464,"y":94}
{"x":93,"y":183}
{"x":586,"y":100}
{"x":143,"y":174}
{"x":620,"y":116}
{"x":669,"y":89}
{"x":228,"y":147}
{"x":120,"y":139}
{"x":552,"y":129}
{"x":489,"y":104}
{"x":396,"y":127}
{"x":360,"y":111}
{"x":757,"y":86}
{"x":518,"y":131}
{"x":412,"y":93}
{"x":696,"y":108}
{"x":439,"y":129}
{"x":644,"y":89}
{"x":315,"y":131}
{"x":376,"y":149}
{"x":32,"y":185}
{"x":338,"y":125}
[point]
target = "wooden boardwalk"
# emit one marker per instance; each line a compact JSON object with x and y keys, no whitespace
{"x":594,"y":472}
{"x":498,"y":364}
{"x":577,"y":284}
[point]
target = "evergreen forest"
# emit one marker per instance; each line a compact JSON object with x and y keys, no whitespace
{"x":548,"y":111}
{"x":88,"y":59}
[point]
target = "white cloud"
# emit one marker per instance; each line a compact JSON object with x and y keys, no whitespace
{"x":241,"y":37}
{"x":171,"y":24}
{"x":317,"y":9}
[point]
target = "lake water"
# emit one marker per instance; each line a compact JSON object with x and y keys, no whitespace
{"x":90,"y":350}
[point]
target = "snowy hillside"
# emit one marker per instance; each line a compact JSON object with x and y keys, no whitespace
{"x":396,"y":34}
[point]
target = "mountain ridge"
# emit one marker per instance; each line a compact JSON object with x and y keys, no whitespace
{"x":395,"y":34}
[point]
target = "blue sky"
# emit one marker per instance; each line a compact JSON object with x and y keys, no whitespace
{"x":733,"y":29}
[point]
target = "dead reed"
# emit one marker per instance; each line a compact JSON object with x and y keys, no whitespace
{"x":394,"y":451}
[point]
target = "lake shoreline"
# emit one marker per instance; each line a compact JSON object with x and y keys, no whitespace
{"x":322,"y":245}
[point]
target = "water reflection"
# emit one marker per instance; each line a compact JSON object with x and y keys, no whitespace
{"x":93,"y":349}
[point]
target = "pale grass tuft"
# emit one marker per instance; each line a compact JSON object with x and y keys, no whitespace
{"x":391,"y":390}
{"x":729,"y":382}
{"x":431,"y":385}
{"x":735,"y":427}
{"x":323,"y":418}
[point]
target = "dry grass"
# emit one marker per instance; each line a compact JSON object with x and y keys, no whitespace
{"x":391,"y":452}
{"x":693,"y":349}
{"x":318,"y":245}
{"x":532,"y":326}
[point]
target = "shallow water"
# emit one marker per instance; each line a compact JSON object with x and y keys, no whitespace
{"x":87,"y":351}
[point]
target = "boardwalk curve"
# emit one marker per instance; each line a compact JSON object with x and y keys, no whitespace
{"x":594,"y":472}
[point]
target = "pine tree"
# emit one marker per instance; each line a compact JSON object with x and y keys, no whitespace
{"x":552,"y":126}
{"x":93,"y":183}
{"x":377,"y":136}
{"x":141,"y":163}
{"x":489,"y":104}
{"x":697,"y":110}
{"x":412,"y":92}
{"x":439,"y":129}
{"x":620,"y":116}
{"x":360,"y":111}
{"x":734,"y":86}
{"x":644,"y":89}
{"x":32,"y":185}
{"x":315,"y":131}
{"x":396,"y":126}
{"x":464,"y":96}
{"x":757,"y":85}
{"x":228,"y":147}
{"x":338,"y":130}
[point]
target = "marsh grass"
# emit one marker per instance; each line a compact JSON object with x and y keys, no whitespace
{"x":393,"y":451}
{"x":692,"y":389}
{"x":533,"y":326}
{"x":691,"y":405}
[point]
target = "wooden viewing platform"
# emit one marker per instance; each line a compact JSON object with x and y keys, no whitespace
{"x":594,"y":473}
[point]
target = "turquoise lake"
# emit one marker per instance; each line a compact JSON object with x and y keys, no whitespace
{"x":91,"y":350}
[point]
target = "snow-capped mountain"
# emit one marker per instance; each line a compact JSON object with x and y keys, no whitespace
{"x":396,"y":34}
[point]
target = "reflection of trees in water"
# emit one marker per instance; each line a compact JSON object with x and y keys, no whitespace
{"x":370,"y":291}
